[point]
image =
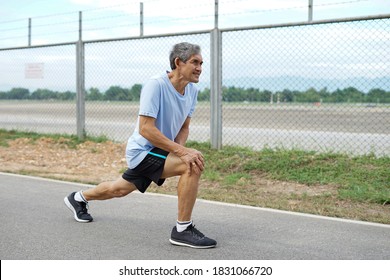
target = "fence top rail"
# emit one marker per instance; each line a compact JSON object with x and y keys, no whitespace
{"x":38,"y":46}
{"x":150,"y":36}
{"x":302,"y":23}
{"x":109,"y":40}
{"x":281,"y":25}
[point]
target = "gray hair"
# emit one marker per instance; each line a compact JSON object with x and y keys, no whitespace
{"x":183,"y":51}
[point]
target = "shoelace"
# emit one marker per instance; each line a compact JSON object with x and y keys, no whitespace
{"x":84,"y":207}
{"x":195,"y":232}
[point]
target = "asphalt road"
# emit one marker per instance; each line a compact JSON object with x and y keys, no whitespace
{"x":36,"y":225}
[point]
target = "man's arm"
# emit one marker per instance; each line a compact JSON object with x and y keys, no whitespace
{"x":182,"y":136}
{"x":148,"y":130}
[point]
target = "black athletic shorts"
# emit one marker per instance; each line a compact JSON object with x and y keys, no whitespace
{"x":150,"y":169}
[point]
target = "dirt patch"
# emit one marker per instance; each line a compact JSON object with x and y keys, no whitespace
{"x":93,"y":163}
{"x":87,"y":162}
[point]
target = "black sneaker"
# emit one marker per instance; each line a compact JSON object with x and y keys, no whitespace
{"x":79,"y":209}
{"x":191,"y":237}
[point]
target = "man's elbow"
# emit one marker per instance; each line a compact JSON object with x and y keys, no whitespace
{"x":143,"y":131}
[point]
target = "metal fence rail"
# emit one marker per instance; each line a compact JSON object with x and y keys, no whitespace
{"x":269,"y":86}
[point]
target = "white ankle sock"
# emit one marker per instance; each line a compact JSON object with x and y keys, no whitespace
{"x":79,"y":197}
{"x":182,"y":226}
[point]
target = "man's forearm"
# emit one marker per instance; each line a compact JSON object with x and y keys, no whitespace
{"x":182,"y":137}
{"x":154,"y":136}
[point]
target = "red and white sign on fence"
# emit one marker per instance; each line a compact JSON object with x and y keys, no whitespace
{"x":34,"y":71}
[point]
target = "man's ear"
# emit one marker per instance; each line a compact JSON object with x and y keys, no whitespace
{"x":177,"y":61}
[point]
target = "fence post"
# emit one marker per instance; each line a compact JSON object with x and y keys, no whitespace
{"x":80,"y":25}
{"x":29,"y":32}
{"x":216,"y":9}
{"x":141,"y":19}
{"x":216,"y":89}
{"x":310,"y":16}
{"x":80,"y":80}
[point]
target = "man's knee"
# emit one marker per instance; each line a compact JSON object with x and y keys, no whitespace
{"x":121,"y":188}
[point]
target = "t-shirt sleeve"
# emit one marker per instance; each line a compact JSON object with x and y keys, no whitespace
{"x":150,"y":99}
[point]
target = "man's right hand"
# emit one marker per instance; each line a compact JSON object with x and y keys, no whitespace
{"x":193,"y":159}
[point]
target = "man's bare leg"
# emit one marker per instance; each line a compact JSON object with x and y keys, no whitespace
{"x":184,"y":233}
{"x":77,"y":201}
{"x":187,"y":191}
{"x":187,"y":188}
{"x":110,"y":189}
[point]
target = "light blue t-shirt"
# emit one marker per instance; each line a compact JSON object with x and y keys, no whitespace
{"x":160,"y":100}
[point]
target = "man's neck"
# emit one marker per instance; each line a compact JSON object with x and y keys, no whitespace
{"x":177,"y":82}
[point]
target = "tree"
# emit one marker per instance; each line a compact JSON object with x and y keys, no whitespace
{"x":229,"y":94}
{"x":204,"y":95}
{"x":287,"y":96}
{"x":19,"y":93}
{"x":42,"y":94}
{"x":353,"y":95}
{"x":232,"y":94}
{"x":324,"y":94}
{"x":310,"y":95}
{"x":135,"y":92}
{"x":67,"y":95}
{"x":377,"y":95}
{"x":94,"y":94}
{"x":116,"y":93}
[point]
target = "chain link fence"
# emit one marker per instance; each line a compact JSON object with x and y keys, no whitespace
{"x":121,"y":72}
{"x":323,"y":86}
{"x":37,"y":89}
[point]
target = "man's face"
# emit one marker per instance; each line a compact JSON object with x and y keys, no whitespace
{"x":192,"y":69}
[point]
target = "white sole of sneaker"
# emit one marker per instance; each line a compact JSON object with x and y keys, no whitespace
{"x":177,"y":243}
{"x":67,"y":203}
